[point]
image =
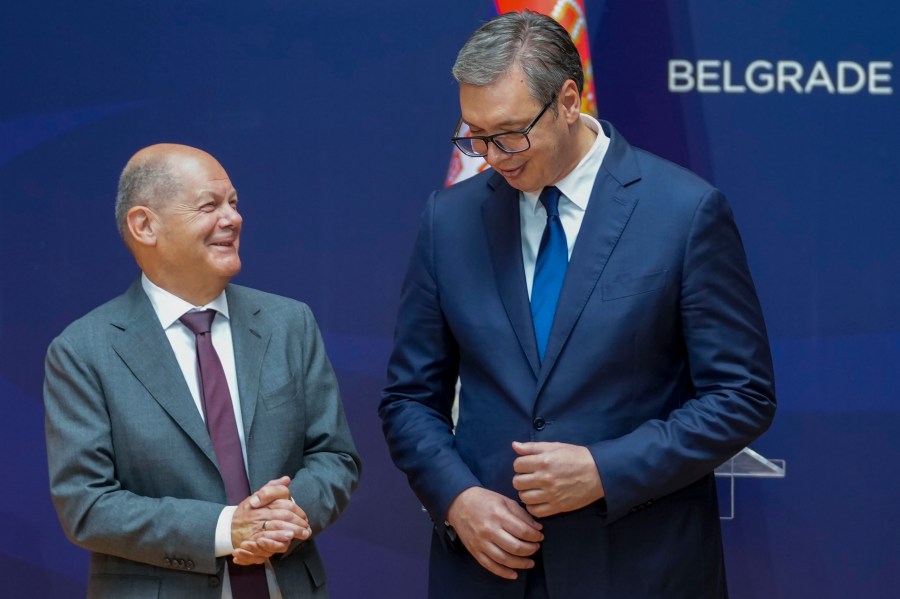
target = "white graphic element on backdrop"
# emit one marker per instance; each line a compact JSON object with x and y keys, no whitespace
{"x":846,"y":77}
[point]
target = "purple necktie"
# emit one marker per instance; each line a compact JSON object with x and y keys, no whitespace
{"x":247,"y":582}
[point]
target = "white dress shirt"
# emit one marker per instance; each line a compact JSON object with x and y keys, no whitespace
{"x":575,"y":191}
{"x":169,"y":308}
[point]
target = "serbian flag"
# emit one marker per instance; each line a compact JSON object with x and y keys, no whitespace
{"x":569,"y":14}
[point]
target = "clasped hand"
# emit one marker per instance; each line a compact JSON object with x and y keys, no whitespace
{"x":266,"y":523}
{"x":551,"y":478}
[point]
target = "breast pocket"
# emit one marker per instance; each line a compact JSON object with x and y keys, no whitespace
{"x":629,"y":285}
{"x":281,"y":394}
{"x":282,"y":418}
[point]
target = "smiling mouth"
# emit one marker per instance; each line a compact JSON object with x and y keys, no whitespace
{"x":511,"y":172}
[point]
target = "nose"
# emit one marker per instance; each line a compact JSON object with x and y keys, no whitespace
{"x":494,"y":154}
{"x":230,"y":217}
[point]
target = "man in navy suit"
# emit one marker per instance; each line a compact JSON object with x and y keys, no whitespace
{"x":581,"y":463}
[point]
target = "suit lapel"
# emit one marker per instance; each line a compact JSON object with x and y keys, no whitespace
{"x":145,"y":349}
{"x":250,"y":340}
{"x":504,"y":233}
{"x":608,"y":212}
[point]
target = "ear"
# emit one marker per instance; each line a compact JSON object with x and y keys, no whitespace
{"x":143,"y":225}
{"x":570,"y":102}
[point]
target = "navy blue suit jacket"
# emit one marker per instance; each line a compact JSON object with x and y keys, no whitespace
{"x":658,"y":362}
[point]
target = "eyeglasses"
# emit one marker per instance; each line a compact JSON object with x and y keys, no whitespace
{"x":511,"y":142}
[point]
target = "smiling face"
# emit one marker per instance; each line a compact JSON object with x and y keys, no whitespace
{"x":188,"y":243}
{"x":507,"y":105}
{"x":200,"y":228}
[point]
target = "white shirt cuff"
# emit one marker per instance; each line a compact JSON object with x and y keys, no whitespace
{"x":223,"y":531}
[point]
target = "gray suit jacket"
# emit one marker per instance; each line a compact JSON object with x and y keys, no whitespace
{"x":133,"y":474}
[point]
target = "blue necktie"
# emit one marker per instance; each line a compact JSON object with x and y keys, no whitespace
{"x":549,"y":270}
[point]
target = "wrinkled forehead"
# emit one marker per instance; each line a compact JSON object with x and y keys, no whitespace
{"x":503,"y":104}
{"x":202,"y":174}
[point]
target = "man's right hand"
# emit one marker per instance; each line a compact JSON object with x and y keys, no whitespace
{"x":266,"y":523}
{"x":496,"y":530}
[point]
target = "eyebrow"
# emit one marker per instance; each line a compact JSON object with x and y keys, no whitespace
{"x":508,"y":124}
{"x":232,"y":193}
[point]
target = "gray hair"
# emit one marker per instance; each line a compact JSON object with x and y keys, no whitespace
{"x":537,"y":43}
{"x":144,"y":183}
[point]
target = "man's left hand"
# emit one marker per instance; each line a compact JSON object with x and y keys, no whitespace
{"x":552,"y":478}
{"x":266,"y":523}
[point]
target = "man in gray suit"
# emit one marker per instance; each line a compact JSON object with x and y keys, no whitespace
{"x":138,"y":467}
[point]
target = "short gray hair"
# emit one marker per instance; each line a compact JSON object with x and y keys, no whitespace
{"x":537,"y":43}
{"x":144,"y":183}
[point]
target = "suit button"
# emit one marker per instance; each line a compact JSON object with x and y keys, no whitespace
{"x":168,"y":562}
{"x":189,"y":565}
{"x":539,"y":424}
{"x":181,"y":563}
{"x":214,"y":582}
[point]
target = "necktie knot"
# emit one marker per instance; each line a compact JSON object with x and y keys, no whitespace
{"x":199,"y":322}
{"x":550,"y":199}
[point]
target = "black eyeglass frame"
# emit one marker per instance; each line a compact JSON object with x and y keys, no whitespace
{"x":492,"y":138}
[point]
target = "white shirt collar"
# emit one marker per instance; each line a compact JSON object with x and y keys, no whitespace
{"x":169,"y":308}
{"x":577,"y":185}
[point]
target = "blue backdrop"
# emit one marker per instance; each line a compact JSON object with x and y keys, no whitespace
{"x":332,"y":120}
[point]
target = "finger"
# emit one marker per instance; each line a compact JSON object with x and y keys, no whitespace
{"x":295,"y":507}
{"x":270,"y":492}
{"x":279,"y":531}
{"x":523,"y":448}
{"x":543,"y":510}
{"x":289,"y":516}
{"x":259,"y":547}
{"x":514,"y":548}
{"x":521,"y":516}
{"x":247,"y":561}
{"x":528,"y":463}
{"x":299,"y":533}
{"x":245,"y":558}
{"x":522,"y":526}
{"x":496,"y":568}
{"x":273,"y":546}
{"x":283,"y":481}
{"x":523,"y":465}
{"x":285,"y":531}
{"x":249,"y":548}
{"x":514,"y":562}
{"x":284,"y":504}
{"x":503,"y":564}
{"x":290,"y":506}
{"x":303,"y":532}
{"x":523,"y":482}
{"x":533,"y":497}
{"x":532,"y":447}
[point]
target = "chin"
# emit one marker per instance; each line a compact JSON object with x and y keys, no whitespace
{"x":527,"y":188}
{"x":229,"y":270}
